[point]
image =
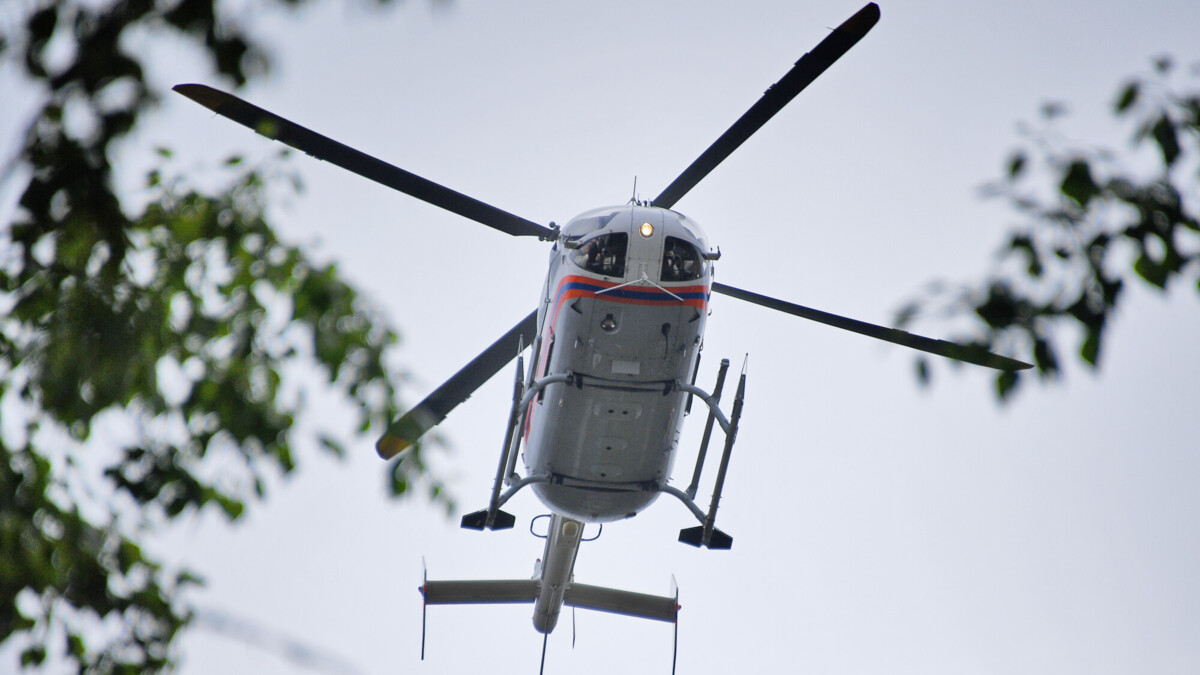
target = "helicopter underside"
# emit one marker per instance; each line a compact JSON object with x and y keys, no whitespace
{"x":607,"y":438}
{"x":614,"y":449}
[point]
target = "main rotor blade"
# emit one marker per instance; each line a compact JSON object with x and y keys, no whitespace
{"x":430,"y":412}
{"x":275,"y":127}
{"x":807,"y":69}
{"x":952,"y":350}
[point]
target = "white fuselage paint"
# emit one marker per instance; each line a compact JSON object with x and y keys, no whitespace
{"x":629,"y":326}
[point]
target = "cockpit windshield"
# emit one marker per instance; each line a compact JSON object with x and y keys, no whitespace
{"x":604,"y":254}
{"x":681,"y":261}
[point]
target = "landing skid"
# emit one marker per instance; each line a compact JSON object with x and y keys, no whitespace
{"x":706,"y":535}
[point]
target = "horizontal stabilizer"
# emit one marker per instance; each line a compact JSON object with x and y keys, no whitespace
{"x":505,"y":591}
{"x":657,"y":607}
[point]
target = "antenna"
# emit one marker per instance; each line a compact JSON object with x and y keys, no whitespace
{"x":542,"y":669}
{"x":634,"y":199}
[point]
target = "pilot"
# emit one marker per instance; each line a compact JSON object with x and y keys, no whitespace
{"x":602,"y":256}
{"x":595,"y":256}
{"x":672,"y":265}
{"x":605,"y":260}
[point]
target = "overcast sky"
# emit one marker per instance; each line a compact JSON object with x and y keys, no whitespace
{"x":877,"y":527}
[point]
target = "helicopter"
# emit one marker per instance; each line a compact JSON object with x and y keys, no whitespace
{"x":615,"y":342}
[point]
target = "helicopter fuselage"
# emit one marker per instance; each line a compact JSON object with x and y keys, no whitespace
{"x":623,"y":312}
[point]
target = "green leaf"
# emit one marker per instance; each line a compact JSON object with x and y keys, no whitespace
{"x":188,"y":578}
{"x":906,"y":314}
{"x":76,"y":646}
{"x":1006,"y":384}
{"x":398,"y":478}
{"x":1016,"y":164}
{"x":128,"y":554}
{"x":33,"y":656}
{"x":41,"y":24}
{"x":1000,"y":309}
{"x":21,"y":623}
{"x":1128,"y":96}
{"x":1164,"y":135}
{"x":331,"y":444}
{"x":1044,"y":357}
{"x":1052,"y":109}
{"x":1077,"y":184}
{"x":232,"y":508}
{"x":1154,"y":273}
{"x":1023,"y":243}
{"x":1090,"y":350}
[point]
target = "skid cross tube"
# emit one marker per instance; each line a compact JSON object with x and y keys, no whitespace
{"x":518,"y":484}
{"x":709,"y":400}
{"x":514,"y":437}
{"x":687,"y":501}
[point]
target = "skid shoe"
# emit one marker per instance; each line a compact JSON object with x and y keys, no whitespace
{"x":478,"y":521}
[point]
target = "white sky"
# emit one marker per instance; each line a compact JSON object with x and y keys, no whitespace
{"x":877,"y":527}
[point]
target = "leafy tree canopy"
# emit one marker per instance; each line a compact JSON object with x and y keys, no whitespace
{"x":1093,"y":220}
{"x":190,"y":327}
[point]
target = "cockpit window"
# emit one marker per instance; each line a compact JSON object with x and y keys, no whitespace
{"x":681,"y":261}
{"x":604,"y":254}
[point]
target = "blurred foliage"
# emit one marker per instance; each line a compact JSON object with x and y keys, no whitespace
{"x":1093,"y":221}
{"x":188,"y":332}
